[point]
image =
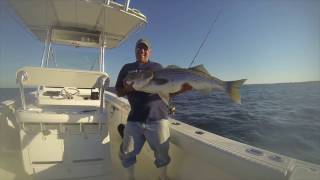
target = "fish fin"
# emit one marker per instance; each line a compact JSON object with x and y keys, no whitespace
{"x":200,"y":68}
{"x":165,"y":97}
{"x":233,"y":89}
{"x":173,"y":67}
{"x":160,"y":81}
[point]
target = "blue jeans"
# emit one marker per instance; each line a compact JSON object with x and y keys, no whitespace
{"x":156,"y":133}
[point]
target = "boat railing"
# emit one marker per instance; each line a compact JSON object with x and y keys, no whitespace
{"x":125,"y":7}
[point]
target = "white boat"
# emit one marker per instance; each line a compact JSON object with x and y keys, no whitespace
{"x":68,"y":127}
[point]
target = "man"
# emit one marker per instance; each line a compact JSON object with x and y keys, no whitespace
{"x":147,"y":119}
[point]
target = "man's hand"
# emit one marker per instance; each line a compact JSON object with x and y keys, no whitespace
{"x":127,"y":88}
{"x":184,"y":88}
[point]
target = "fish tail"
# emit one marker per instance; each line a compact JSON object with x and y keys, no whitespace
{"x":233,"y":89}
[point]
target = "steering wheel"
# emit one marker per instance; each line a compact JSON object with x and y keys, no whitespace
{"x":69,"y":92}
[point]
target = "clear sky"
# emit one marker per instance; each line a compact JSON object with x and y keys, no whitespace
{"x":264,"y":41}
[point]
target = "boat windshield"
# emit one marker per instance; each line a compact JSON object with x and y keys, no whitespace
{"x":70,"y":57}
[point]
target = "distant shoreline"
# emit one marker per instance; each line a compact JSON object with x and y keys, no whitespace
{"x":301,"y":82}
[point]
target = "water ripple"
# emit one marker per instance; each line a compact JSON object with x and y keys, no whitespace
{"x":284,"y":118}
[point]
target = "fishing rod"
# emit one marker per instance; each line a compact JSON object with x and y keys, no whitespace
{"x":206,"y":37}
{"x":171,"y":106}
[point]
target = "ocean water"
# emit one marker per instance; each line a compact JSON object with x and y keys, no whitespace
{"x":282,"y":118}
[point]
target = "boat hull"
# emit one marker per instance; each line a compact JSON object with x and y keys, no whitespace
{"x":195,"y":153}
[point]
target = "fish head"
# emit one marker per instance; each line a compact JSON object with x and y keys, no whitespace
{"x":138,"y":79}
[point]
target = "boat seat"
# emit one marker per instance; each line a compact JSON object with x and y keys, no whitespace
{"x":69,"y":116}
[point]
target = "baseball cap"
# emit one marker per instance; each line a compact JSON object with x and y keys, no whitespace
{"x":143,"y":41}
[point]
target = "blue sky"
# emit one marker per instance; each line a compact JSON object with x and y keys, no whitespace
{"x":264,"y":41}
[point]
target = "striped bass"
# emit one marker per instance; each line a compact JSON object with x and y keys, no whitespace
{"x":171,"y":80}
